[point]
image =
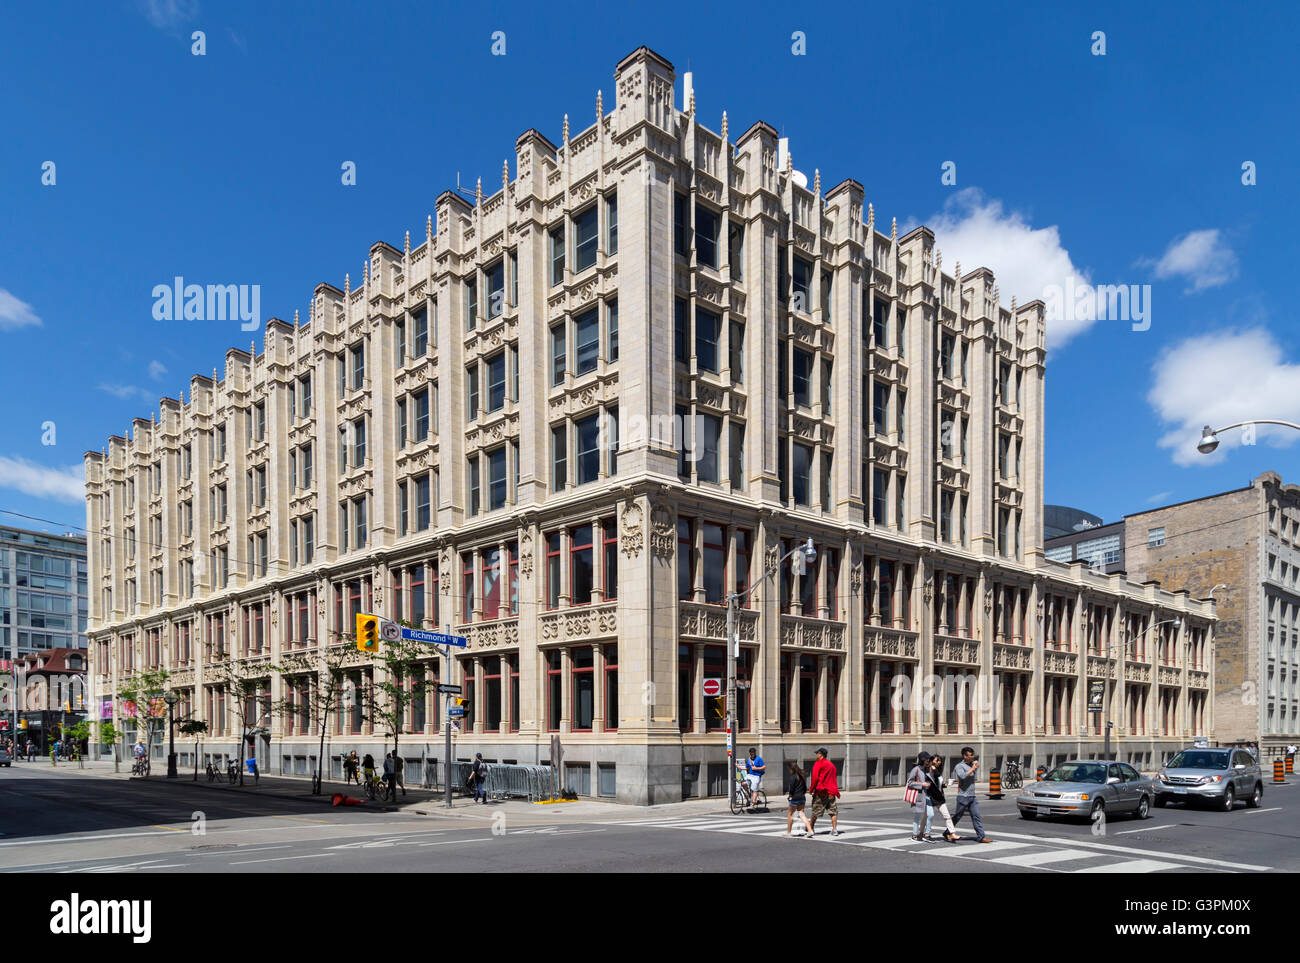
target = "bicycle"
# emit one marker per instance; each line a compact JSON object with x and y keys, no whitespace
{"x":1012,"y":777}
{"x":746,"y":799}
{"x":214,"y":773}
{"x":376,"y":788}
{"x":140,"y":767}
{"x":232,"y":771}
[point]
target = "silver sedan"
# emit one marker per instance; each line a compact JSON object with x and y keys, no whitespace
{"x":1088,"y":789}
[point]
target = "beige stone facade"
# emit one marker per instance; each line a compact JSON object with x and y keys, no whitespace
{"x":1247,"y":541}
{"x":779,"y":368}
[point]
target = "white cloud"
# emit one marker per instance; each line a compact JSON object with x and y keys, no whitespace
{"x":166,"y":14}
{"x":127,"y":391}
{"x":1027,"y":261}
{"x":1158,"y":497}
{"x":15,"y":313}
{"x":62,"y":484}
{"x":1203,"y":257}
{"x":1220,"y":379}
{"x":156,"y":370}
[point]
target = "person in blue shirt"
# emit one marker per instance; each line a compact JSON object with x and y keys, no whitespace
{"x":754,"y":769}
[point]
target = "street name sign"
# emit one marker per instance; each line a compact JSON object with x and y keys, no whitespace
{"x":456,"y":710}
{"x":435,"y":638}
{"x":449,"y":689}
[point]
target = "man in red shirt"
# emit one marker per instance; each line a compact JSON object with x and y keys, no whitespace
{"x":826,"y":792}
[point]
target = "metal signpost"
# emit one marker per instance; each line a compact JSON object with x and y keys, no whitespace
{"x":446,"y":640}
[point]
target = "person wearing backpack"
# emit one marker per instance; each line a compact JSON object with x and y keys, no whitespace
{"x":478,"y":777}
{"x":917,"y":798}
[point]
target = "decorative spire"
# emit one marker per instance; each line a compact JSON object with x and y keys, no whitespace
{"x":958,"y":275}
{"x":871,"y":216}
{"x":997,"y":297}
{"x":817,"y":181}
{"x":295,"y":319}
{"x":347,"y":284}
{"x":893,"y":230}
{"x":365,"y":273}
{"x":566,"y":128}
{"x":600,"y":106}
{"x":428,"y":228}
{"x":478,"y":193}
{"x":724,"y":126}
{"x":406,"y":245}
{"x":692,"y":105}
{"x":789,"y":162}
{"x":505,"y":174}
{"x":1013,"y":304}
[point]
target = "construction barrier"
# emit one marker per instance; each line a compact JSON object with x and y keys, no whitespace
{"x":1290,"y":764}
{"x":1042,"y":771}
{"x":995,"y":785}
{"x":1278,"y":771}
{"x":533,"y":783}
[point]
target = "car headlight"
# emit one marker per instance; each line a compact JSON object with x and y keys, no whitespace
{"x":1207,"y":779}
{"x":1163,"y":777}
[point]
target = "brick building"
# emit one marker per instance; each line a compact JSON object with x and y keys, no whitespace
{"x":588,"y":406}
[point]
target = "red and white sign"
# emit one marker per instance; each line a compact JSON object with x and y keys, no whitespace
{"x":713,"y":687}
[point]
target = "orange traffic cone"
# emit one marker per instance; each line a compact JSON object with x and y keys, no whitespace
{"x":342,"y":800}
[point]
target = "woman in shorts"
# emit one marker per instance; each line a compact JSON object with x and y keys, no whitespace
{"x":798,"y":795}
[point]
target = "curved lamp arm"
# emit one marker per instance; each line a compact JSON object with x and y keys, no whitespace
{"x":1210,"y":437}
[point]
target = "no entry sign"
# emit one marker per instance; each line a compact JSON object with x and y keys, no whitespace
{"x":713,"y":687}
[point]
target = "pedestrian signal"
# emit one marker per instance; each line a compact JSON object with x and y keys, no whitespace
{"x":367,"y":633}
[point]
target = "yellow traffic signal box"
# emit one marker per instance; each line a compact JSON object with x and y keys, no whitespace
{"x":367,"y":633}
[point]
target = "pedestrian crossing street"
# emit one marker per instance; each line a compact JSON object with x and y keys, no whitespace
{"x":1024,"y":852}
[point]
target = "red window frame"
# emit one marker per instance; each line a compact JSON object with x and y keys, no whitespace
{"x":686,"y":550}
{"x":554,"y":548}
{"x":434,"y":582}
{"x":399,"y":583}
{"x":811,"y":571}
{"x":512,"y":661}
{"x":575,"y":673}
{"x":467,"y":587}
{"x":554,"y":669}
{"x":575,"y":549}
{"x":609,"y":550}
{"x":491,"y":608}
{"x":416,"y":591}
{"x":720,"y":547}
{"x":832,"y":584}
{"x":611,"y":685}
{"x":832,"y":693}
{"x":488,"y":677}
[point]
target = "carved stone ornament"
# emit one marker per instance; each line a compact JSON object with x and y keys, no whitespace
{"x":631,"y":538}
{"x":444,"y":571}
{"x":855,"y":577}
{"x":662,"y":535}
{"x":988,"y":600}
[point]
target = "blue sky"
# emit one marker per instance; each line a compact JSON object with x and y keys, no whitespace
{"x":225,"y":168}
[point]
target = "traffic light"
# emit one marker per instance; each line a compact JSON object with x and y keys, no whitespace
{"x":367,"y":633}
{"x":22,"y":723}
{"x":67,"y":705}
{"x":461,"y":701}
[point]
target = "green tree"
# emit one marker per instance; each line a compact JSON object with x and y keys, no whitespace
{"x":110,"y":735}
{"x":80,"y":734}
{"x":141,"y":699}
{"x":247,"y":687}
{"x":327,"y":667}
{"x":195,"y":728}
{"x":402,"y":683}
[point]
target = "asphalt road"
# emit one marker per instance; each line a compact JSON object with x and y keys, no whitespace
{"x":60,"y":821}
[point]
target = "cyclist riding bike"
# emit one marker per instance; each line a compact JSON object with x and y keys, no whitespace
{"x":754,"y":769}
{"x":139,"y":756}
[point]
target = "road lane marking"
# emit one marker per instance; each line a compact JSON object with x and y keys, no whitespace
{"x":455,"y":842}
{"x":1131,"y":866}
{"x":77,"y":839}
{"x":278,"y":859}
{"x":1039,"y":859}
{"x":239,"y":851}
{"x":1275,"y":809}
{"x":305,"y":819}
{"x":1146,"y":829}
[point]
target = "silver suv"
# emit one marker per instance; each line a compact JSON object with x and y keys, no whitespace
{"x":1216,"y":776}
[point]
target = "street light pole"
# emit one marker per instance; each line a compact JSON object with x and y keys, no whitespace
{"x":1210,"y":437}
{"x":171,"y":698}
{"x":733,"y":643}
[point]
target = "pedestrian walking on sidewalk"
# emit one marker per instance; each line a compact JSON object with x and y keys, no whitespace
{"x":351,"y":769}
{"x":963,"y":774}
{"x":31,"y":750}
{"x":826,"y":793}
{"x":478,"y":777}
{"x":916,"y":782}
{"x":397,"y":774}
{"x":938,"y":800}
{"x":368,"y":768}
{"x":390,"y":784}
{"x":797,"y":797}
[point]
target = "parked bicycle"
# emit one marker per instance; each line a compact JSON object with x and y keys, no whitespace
{"x":214,"y":772}
{"x":1012,"y":777}
{"x":232,"y":771}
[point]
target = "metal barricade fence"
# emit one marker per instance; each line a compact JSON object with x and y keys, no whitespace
{"x":534,"y":783}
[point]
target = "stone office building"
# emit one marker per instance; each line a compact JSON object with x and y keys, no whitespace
{"x":586,"y":408}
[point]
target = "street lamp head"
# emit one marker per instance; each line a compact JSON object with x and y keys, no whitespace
{"x":171,"y":698}
{"x":1209,"y":441}
{"x":809,"y":552}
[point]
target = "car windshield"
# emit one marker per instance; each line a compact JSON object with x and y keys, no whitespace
{"x":1199,"y":759}
{"x":1078,"y":772}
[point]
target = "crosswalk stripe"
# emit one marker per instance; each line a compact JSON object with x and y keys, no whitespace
{"x":1041,"y":858}
{"x":976,"y":852}
{"x":1132,"y":866}
{"x":906,"y":842}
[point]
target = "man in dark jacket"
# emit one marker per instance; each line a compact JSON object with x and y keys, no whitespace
{"x":478,"y":777}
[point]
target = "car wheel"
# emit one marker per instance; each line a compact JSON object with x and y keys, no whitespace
{"x":1144,"y":808}
{"x":1098,"y":811}
{"x":1028,"y":814}
{"x":1229,"y":799}
{"x":1161,"y":801}
{"x":1256,"y":797}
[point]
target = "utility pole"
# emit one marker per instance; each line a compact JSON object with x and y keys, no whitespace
{"x":1105,"y":703}
{"x":446,"y":717}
